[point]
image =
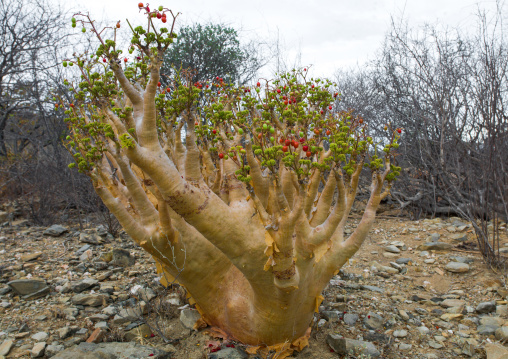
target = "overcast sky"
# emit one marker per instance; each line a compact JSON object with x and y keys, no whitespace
{"x":329,"y":34}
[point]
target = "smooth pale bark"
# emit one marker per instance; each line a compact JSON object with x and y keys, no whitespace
{"x":254,"y":256}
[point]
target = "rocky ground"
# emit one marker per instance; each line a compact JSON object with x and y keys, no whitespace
{"x":416,"y":289}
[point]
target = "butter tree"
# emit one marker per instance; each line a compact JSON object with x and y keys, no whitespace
{"x":227,"y":198}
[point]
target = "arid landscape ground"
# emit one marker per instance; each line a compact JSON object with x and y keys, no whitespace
{"x":416,"y":289}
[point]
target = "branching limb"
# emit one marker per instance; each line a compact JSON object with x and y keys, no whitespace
{"x":324,"y":202}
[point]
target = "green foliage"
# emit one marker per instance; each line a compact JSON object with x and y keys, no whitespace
{"x":212,"y":50}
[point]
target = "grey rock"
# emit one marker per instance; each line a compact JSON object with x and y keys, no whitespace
{"x":350,"y":318}
{"x":6,"y":346}
{"x":330,"y":315}
{"x":83,"y":284}
{"x":128,"y":350}
{"x":492,"y":321}
{"x":111,"y":310}
{"x":459,"y":237}
{"x":91,"y":238}
{"x":486,"y":307}
{"x":435,"y":345}
{"x":64,"y":332}
{"x":460,"y":259}
{"x":401,"y":333}
{"x":101,"y":325}
{"x":122,"y":258}
{"x":450,"y":303}
{"x":396,"y":266}
{"x":55,"y":230}
{"x":392,"y":249}
{"x":52,"y":350}
{"x":457,"y":267}
{"x":345,"y":346}
{"x":5,"y":290}
{"x":486,"y":330}
{"x":71,"y":311}
{"x":373,"y":288}
{"x":189,"y":317}
{"x":92,"y":300}
{"x":228,"y":353}
{"x":502,"y":334}
{"x":434,"y":237}
{"x":40,"y":336}
{"x":403,"y":260}
{"x":423,"y":330}
{"x":373,"y":321}
{"x":38,"y":350}
{"x":83,"y":249}
{"x":496,"y":351}
{"x":436,"y":246}
{"x":29,"y":288}
{"x":404,"y":346}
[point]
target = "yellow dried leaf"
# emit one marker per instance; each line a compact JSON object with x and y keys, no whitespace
{"x":268,"y":264}
{"x":319,"y":299}
{"x":200,"y":324}
{"x":252,"y":350}
{"x":142,"y":243}
{"x":268,"y":239}
{"x":269,"y":251}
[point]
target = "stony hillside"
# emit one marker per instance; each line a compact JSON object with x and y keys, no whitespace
{"x":416,"y":289}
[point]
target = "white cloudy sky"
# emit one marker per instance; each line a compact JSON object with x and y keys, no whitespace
{"x":328,"y":34}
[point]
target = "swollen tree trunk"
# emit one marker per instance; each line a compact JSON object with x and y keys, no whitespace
{"x":231,"y":211}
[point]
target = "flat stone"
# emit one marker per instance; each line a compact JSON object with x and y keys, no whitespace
{"x":402,"y":333}
{"x":64,"y":332}
{"x":373,"y":288}
{"x":189,"y":317}
{"x":373,"y":321}
{"x":492,"y":321}
{"x":434,"y":237}
{"x":450,"y":316}
{"x":6,"y":346}
{"x":55,"y":230}
{"x":404,"y":346}
{"x":436,"y":246}
{"x":502,"y":334}
{"x":435,"y":345}
{"x":486,"y":307}
{"x":127,"y":350}
{"x":449,"y":303}
{"x":38,"y":350}
{"x":52,"y":350}
{"x":457,"y":267}
{"x":90,"y":238}
{"x":141,"y":332}
{"x":392,"y":249}
{"x":30,"y":257}
{"x":40,"y":336}
{"x":92,"y":300}
{"x":496,"y":351}
{"x":459,"y":237}
{"x":423,"y":330}
{"x":122,"y":258}
{"x":350,"y":319}
{"x":403,"y":260}
{"x":228,"y":353}
{"x":330,"y":315}
{"x":486,"y":330}
{"x":461,"y":259}
{"x":345,"y":346}
{"x":29,"y":288}
{"x":83,"y":249}
{"x":83,"y":284}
